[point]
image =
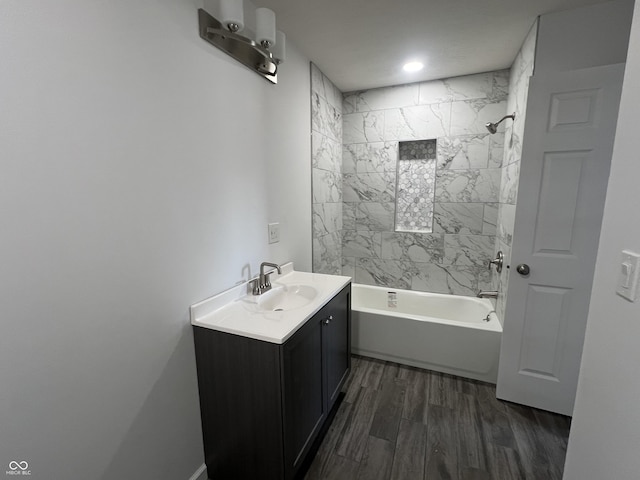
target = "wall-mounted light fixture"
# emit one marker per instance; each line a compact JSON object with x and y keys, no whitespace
{"x":262,"y":50}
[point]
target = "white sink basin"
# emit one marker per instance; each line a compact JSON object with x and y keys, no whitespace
{"x":286,"y":297}
{"x":273,"y":316}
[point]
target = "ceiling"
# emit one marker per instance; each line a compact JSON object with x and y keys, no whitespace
{"x":361,"y":44}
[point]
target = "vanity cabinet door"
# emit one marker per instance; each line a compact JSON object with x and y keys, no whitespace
{"x":337,"y":343}
{"x":304,"y":407}
{"x":240,"y":402}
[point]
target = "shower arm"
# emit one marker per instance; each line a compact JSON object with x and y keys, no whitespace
{"x":512,"y":117}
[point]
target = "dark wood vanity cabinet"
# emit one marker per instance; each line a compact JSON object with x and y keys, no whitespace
{"x":264,"y":404}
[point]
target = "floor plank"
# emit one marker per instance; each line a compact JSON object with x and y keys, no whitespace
{"x":340,"y":468}
{"x":353,"y":438}
{"x":416,"y":396}
{"x":390,"y":373}
{"x":504,"y":463}
{"x":404,"y":423}
{"x":555,"y":445}
{"x":386,"y":419}
{"x":442,"y":389}
{"x":377,"y":460}
{"x":442,"y":441}
{"x":531,"y":444}
{"x":471,"y":446}
{"x":495,"y":421}
{"x":373,"y":370}
{"x":408,"y":461}
{"x":319,"y":464}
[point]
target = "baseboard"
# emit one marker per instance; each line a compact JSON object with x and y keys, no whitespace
{"x":200,"y":473}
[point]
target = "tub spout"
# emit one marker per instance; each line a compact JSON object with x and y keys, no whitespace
{"x":487,"y":294}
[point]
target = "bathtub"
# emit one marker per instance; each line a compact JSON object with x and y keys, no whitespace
{"x":445,"y":333}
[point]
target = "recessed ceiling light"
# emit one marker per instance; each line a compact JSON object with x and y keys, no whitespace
{"x":413,"y":66}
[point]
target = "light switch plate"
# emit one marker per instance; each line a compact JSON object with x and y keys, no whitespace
{"x":274,"y":232}
{"x":628,"y":275}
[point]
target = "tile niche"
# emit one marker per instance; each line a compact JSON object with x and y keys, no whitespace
{"x":415,"y":186}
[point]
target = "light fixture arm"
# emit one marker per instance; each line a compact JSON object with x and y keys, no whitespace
{"x":243,"y":49}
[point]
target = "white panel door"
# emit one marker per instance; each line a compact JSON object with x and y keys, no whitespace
{"x":567,"y":146}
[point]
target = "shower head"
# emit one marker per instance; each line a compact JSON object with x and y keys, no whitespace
{"x":493,"y":127}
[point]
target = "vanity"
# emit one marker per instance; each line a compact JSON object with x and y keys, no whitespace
{"x":270,"y":371}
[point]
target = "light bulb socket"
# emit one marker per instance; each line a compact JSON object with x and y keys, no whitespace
{"x":232,"y":15}
{"x":265,"y":26}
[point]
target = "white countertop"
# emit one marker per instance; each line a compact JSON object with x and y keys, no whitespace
{"x":235,"y":311}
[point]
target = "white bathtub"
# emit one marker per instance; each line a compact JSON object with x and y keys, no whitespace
{"x":446,"y":333}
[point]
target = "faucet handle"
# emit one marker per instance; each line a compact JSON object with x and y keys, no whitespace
{"x":497,"y":262}
{"x":267,"y":280}
{"x":255,"y":286}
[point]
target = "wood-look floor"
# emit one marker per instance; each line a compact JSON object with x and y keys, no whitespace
{"x":398,"y":422}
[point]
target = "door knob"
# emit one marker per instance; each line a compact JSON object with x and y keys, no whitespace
{"x":523,"y":269}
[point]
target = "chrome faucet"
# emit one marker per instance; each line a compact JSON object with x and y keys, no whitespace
{"x":263,"y":282}
{"x":487,"y":294}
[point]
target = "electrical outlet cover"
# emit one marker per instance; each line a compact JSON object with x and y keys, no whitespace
{"x":627,"y":286}
{"x":274,"y":232}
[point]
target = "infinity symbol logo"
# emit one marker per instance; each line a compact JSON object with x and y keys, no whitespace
{"x":13,"y":465}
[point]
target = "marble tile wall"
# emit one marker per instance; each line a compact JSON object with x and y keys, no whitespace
{"x":326,"y":172}
{"x":521,"y":71}
{"x":469,"y":167}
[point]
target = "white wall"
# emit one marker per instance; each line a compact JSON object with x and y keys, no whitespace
{"x":583,"y":37}
{"x":605,"y":433}
{"x":139,"y":167}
